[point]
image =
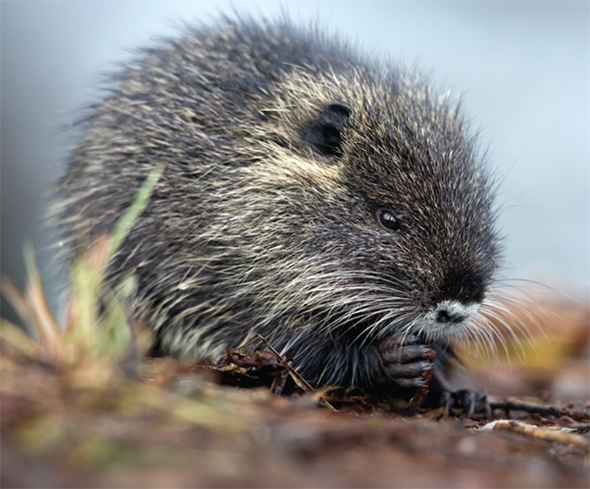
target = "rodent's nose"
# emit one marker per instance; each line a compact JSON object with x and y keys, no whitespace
{"x":445,"y":317}
{"x":454,"y":312}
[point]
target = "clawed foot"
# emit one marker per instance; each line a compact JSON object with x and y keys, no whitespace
{"x":410,"y":365}
{"x":406,"y":363}
{"x":469,"y":400}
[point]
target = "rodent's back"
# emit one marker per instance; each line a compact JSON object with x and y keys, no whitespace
{"x":324,"y":202}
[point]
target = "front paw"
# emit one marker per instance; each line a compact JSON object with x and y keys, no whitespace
{"x":470,"y":401}
{"x":406,"y":364}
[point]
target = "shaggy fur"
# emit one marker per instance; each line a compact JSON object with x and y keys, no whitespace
{"x":282,"y":150}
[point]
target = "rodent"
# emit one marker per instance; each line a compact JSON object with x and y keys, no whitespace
{"x":331,"y":203}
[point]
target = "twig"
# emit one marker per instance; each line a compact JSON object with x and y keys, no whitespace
{"x":535,"y":432}
{"x":515,"y":405}
{"x":278,"y":383}
{"x":418,"y":398}
{"x":540,"y":409}
{"x":297,"y":378}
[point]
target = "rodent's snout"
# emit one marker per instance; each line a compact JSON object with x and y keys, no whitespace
{"x":444,"y":317}
{"x":454,"y":312}
{"x":447,"y":319}
{"x":456,"y":301}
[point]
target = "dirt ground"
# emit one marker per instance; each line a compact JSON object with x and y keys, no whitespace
{"x":153,"y":422}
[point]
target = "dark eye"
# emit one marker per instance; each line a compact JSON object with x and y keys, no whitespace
{"x":387,"y":220}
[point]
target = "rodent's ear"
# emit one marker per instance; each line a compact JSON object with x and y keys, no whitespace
{"x":325,"y":134}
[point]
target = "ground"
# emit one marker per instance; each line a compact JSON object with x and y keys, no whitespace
{"x":156,"y":422}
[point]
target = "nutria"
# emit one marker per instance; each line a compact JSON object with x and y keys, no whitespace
{"x":331,"y":203}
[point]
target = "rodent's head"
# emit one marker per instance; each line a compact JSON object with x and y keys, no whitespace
{"x":389,"y":212}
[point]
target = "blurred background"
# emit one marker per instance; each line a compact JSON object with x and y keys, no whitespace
{"x":523,"y":69}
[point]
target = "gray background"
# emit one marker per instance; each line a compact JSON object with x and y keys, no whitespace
{"x":522,"y":67}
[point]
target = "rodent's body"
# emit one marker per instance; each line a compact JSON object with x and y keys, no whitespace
{"x":326,"y":203}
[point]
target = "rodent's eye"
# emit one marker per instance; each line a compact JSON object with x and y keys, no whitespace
{"x":387,"y":220}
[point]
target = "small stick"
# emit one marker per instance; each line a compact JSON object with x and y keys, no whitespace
{"x":418,"y":398}
{"x":514,"y":405}
{"x":297,"y":378}
{"x":535,"y":432}
{"x":300,"y":381}
{"x":278,"y":383}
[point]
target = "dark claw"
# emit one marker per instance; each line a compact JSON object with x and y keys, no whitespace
{"x":469,"y":400}
{"x":405,"y":363}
